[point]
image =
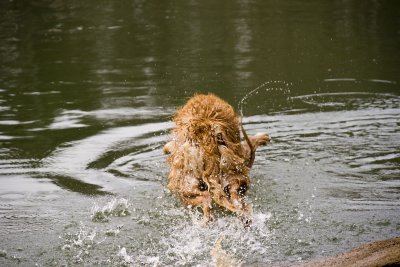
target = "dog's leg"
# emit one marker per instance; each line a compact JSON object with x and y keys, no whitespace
{"x":260,"y":139}
{"x":202,"y":200}
{"x":206,"y":207}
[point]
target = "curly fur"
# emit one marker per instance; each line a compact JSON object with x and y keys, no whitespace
{"x":207,"y":159}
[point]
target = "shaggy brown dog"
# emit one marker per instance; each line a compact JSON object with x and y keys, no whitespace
{"x":207,"y":159}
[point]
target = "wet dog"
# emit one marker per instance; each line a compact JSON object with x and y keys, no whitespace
{"x":208,"y":162}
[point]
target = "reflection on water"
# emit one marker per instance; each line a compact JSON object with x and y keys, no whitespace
{"x":87,"y":92}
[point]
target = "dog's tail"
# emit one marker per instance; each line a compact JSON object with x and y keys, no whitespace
{"x":252,"y":151}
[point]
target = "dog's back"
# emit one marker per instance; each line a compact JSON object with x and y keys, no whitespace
{"x":203,"y":118}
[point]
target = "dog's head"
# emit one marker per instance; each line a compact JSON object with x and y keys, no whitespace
{"x":234,"y":181}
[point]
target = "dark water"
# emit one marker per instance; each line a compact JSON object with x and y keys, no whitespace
{"x":87,"y":89}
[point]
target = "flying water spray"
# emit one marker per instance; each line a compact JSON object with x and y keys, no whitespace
{"x":267,"y":87}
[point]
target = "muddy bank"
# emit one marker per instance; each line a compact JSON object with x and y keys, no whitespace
{"x":379,"y":253}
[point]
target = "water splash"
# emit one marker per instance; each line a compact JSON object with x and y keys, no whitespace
{"x":127,"y":260}
{"x":83,"y":238}
{"x":114,"y":232}
{"x":266,"y":86}
{"x":221,"y":258}
{"x":80,"y":243}
{"x":190,"y":242}
{"x":116,"y":207}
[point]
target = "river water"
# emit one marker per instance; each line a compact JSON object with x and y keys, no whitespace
{"x":87,"y":91}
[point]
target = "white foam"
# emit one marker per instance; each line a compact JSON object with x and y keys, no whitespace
{"x":191,"y":241}
{"x":125,"y":257}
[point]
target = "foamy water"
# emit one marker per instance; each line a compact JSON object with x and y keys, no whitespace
{"x":184,"y":237}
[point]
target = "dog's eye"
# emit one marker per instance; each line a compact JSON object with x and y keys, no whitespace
{"x":227,"y":193}
{"x":203,"y":186}
{"x":242,"y":190}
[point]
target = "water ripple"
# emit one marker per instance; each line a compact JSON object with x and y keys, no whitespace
{"x":73,"y":159}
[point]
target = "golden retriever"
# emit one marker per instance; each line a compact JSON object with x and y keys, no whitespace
{"x":208,"y":162}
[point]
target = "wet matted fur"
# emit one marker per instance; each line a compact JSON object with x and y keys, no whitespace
{"x":208,"y":162}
